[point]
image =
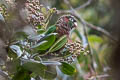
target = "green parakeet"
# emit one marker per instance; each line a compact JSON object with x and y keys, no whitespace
{"x":63,"y":25}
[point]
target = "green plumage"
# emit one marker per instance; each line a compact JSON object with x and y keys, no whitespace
{"x":63,"y":26}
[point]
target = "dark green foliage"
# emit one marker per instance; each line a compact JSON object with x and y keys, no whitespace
{"x":14,"y":51}
{"x":22,"y":74}
{"x":51,"y":29}
{"x":45,"y":43}
{"x":59,"y":44}
{"x":67,"y":68}
{"x":35,"y":67}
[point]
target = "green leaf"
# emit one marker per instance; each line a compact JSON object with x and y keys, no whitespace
{"x":78,"y":33}
{"x":22,"y":74}
{"x":50,"y":73}
{"x":94,"y":38}
{"x":13,"y":65}
{"x":67,"y":68}
{"x":44,"y":10}
{"x":59,"y":44}
{"x":36,"y":37}
{"x":46,"y":72}
{"x":39,"y":26}
{"x":50,"y":30}
{"x":50,"y":40}
{"x":35,"y":67}
{"x":40,"y":31}
{"x":15,"y":51}
{"x":20,"y":35}
{"x":81,"y":58}
{"x":38,"y":46}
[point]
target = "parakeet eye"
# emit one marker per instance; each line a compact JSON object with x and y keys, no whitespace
{"x":71,"y":19}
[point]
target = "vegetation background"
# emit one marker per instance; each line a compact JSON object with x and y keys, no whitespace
{"x":98,"y":30}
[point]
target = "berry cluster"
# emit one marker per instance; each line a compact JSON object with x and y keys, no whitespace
{"x":3,"y":10}
{"x":35,"y":17}
{"x":70,"y":52}
{"x":74,"y":49}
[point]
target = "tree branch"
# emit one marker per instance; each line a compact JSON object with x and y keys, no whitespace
{"x":77,"y":15}
{"x":97,"y":28}
{"x":78,"y":8}
{"x":84,"y":5}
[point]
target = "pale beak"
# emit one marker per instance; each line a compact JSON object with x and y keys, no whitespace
{"x":75,"y":24}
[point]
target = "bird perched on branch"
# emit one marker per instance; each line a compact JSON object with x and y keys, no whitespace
{"x":63,"y":25}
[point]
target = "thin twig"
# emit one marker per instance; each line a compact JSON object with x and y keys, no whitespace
{"x":78,"y":8}
{"x":68,"y":3}
{"x":84,"y":5}
{"x":103,"y":76}
{"x":99,"y":76}
{"x":102,"y":31}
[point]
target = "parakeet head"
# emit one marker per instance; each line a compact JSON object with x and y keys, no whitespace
{"x":70,"y":20}
{"x":65,"y":24}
